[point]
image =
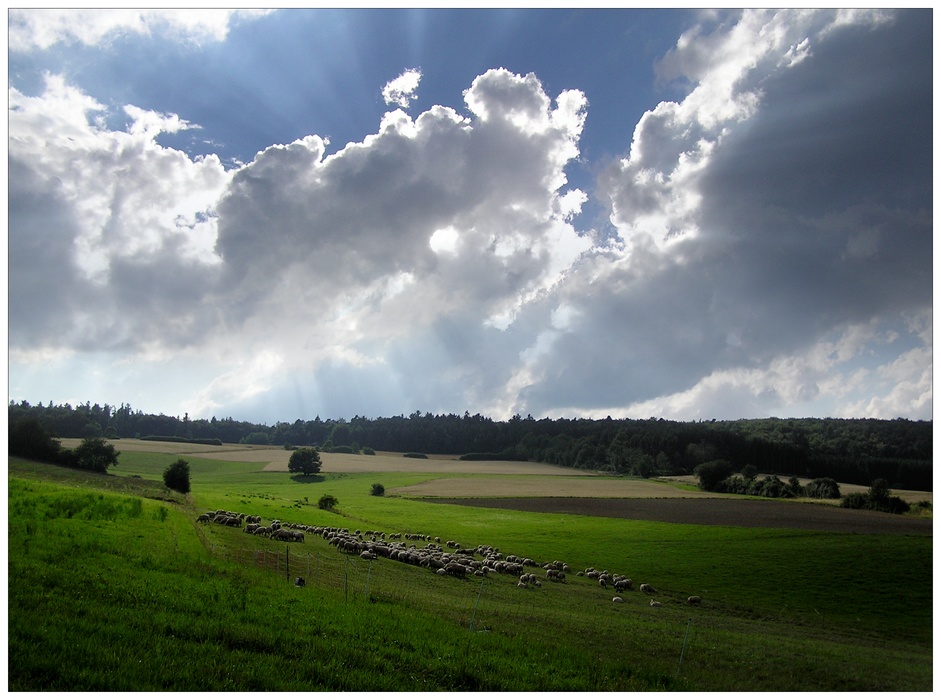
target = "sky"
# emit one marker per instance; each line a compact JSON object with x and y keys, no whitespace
{"x":277,"y":215}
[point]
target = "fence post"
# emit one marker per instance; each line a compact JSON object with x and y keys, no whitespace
{"x":683,"y":650}
{"x":474,"y":614}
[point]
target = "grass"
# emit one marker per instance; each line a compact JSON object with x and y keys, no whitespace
{"x":114,"y":587}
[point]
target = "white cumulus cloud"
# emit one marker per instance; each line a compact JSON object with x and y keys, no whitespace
{"x":401,"y":91}
{"x":36,"y":28}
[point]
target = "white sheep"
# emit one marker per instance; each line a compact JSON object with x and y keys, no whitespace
{"x":647,"y":588}
{"x":617,"y":599}
{"x":694,"y":600}
{"x":655,"y":604}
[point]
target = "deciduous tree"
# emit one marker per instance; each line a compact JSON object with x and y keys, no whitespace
{"x":305,"y":460}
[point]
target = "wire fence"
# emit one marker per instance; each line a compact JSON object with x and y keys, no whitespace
{"x":478,"y":603}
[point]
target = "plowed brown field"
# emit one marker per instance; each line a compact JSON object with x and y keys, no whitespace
{"x":715,"y":511}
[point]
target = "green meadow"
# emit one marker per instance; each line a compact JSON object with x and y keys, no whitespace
{"x":115,"y":587}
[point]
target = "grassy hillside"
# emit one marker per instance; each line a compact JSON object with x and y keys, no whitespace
{"x":115,"y":587}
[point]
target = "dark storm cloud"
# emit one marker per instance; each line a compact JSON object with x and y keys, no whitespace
{"x":815,"y":214}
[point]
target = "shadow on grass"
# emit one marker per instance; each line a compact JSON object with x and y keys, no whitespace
{"x":312,"y":479}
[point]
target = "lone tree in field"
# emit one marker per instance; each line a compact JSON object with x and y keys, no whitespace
{"x":95,"y":455}
{"x":177,"y":476}
{"x":305,"y":460}
{"x":327,"y":502}
{"x":378,"y":490}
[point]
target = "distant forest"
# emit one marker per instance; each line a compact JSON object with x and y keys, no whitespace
{"x":848,"y":450}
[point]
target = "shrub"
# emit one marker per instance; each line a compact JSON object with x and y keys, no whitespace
{"x":856,"y":501}
{"x":822,"y":488}
{"x":327,"y":502}
{"x":95,"y":455}
{"x":773,"y":487}
{"x":713,"y":473}
{"x":378,"y":490}
{"x":877,"y":498}
{"x":734,"y":484}
{"x":177,"y":476}
{"x":369,"y":451}
{"x":416,"y":455}
{"x":865,"y":501}
{"x":894,"y":504}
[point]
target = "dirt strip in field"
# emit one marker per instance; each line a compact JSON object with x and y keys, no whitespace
{"x":715,"y":511}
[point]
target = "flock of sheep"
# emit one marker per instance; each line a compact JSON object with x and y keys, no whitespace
{"x":461,"y":562}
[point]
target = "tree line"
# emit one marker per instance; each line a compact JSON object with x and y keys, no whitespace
{"x":847,"y":450}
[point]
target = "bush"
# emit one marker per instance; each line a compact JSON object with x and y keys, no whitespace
{"x":885,"y":502}
{"x":856,"y":501}
{"x":369,"y":451}
{"x":822,"y":488}
{"x":177,"y":476}
{"x":712,"y":474}
{"x":95,"y":455}
{"x":327,"y":502}
{"x":773,"y":487}
{"x":378,"y":490}
{"x":734,"y":484}
{"x":416,"y":455}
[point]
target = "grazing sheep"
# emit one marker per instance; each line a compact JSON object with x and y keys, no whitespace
{"x":602,"y":582}
{"x":694,"y":600}
{"x":623,"y":584}
{"x":456,"y":569}
{"x":617,"y":599}
{"x":655,"y":604}
{"x":204,"y":518}
{"x":285,"y":535}
{"x":647,"y":588}
{"x":299,"y":582}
